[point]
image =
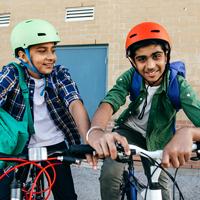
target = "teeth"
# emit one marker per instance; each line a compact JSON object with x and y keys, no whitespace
{"x":151,"y":72}
{"x":49,"y":65}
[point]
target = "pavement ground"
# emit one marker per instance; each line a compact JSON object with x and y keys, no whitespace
{"x":86,"y":181}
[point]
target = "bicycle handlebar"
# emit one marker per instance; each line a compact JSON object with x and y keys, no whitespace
{"x":153,"y":154}
{"x":76,"y":152}
{"x":139,"y":151}
{"x":71,"y":155}
{"x":135,"y":150}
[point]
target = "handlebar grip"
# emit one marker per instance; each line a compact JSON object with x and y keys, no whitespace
{"x":80,"y":150}
{"x":4,"y":155}
{"x":21,"y":156}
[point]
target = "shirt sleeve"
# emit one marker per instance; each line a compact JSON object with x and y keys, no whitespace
{"x":116,"y":97}
{"x":190,"y":101}
{"x":8,"y":80}
{"x":68,"y":89}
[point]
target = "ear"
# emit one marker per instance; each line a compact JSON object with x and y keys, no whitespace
{"x":22,"y":56}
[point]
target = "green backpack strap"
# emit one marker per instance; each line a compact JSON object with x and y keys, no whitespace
{"x":25,"y":93}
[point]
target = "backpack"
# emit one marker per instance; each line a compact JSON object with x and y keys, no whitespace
{"x":173,"y":92}
{"x":14,"y":134}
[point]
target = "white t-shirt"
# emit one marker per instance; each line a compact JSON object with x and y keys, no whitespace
{"x":46,"y":133}
{"x":140,"y":125}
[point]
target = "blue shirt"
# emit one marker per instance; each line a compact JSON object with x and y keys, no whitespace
{"x":60,"y":90}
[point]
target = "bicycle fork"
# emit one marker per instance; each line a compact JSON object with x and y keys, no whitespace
{"x":16,"y":193}
{"x":154,"y":189}
{"x":133,"y":190}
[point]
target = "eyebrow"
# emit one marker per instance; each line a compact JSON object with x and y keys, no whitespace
{"x":137,"y":56}
{"x":44,"y":47}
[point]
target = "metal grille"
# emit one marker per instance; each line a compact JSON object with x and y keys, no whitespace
{"x":79,"y":14}
{"x":4,"y":19}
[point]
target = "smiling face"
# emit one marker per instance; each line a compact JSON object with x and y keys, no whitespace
{"x":43,"y":58}
{"x":150,"y":61}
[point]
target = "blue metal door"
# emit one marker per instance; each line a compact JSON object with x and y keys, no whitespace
{"x":88,"y":67}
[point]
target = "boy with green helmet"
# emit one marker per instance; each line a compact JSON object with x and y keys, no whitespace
{"x":57,"y":108}
{"x":29,"y":33}
{"x":58,"y":112}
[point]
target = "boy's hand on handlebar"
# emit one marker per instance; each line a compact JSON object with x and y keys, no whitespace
{"x":104,"y":143}
{"x":92,"y":160}
{"x":178,"y":151}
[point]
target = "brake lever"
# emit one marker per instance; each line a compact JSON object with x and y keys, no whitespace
{"x":121,"y":156}
{"x":197,"y":157}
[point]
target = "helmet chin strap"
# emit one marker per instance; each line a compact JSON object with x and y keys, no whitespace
{"x":30,"y":67}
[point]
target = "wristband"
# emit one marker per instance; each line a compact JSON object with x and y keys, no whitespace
{"x":92,"y":129}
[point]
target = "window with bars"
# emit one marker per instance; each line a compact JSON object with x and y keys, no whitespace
{"x":4,"y":19}
{"x":79,"y":14}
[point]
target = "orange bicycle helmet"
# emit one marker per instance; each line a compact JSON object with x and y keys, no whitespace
{"x":145,"y":31}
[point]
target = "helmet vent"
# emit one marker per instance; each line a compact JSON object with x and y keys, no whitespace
{"x":155,"y":31}
{"x":28,"y":21}
{"x":133,"y":35}
{"x":41,"y":34}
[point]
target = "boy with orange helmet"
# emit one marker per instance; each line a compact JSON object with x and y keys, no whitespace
{"x":149,"y":119}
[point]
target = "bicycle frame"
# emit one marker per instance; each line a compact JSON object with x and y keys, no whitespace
{"x":22,"y":184}
{"x":128,"y":187}
{"x":152,"y":191}
{"x":133,"y":186}
{"x":34,"y":157}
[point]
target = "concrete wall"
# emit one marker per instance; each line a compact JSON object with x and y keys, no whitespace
{"x":113,"y":19}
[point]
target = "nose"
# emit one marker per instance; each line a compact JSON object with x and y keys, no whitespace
{"x":150,"y":64}
{"x":50,"y":56}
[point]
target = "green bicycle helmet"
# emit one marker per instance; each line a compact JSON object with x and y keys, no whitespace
{"x":32,"y":32}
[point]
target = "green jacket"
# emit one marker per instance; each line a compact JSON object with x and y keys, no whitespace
{"x":162,"y":113}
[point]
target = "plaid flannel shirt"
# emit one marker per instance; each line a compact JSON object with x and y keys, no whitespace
{"x":60,"y":90}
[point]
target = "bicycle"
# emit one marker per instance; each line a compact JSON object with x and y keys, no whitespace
{"x":27,"y":190}
{"x":131,"y":186}
{"x":30,"y":184}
